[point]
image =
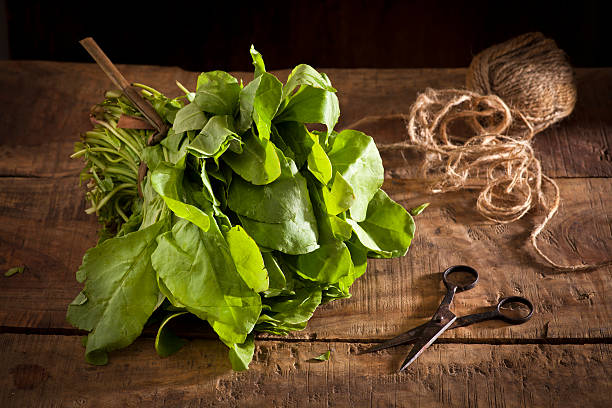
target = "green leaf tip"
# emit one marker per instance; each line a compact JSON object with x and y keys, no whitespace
{"x":417,"y":210}
{"x":323,"y":357}
{"x":258,"y":62}
{"x":14,"y":271}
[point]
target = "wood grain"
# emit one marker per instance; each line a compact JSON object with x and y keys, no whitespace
{"x":50,"y":371}
{"x":398,"y":294}
{"x":45,"y":228}
{"x":44,"y":106}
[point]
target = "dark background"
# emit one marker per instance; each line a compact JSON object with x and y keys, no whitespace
{"x":201,"y":36}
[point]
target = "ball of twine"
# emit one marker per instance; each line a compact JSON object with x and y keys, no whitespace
{"x":531,"y":74}
{"x":516,"y":89}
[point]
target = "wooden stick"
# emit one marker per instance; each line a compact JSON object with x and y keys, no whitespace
{"x":133,"y":95}
{"x":119,"y":80}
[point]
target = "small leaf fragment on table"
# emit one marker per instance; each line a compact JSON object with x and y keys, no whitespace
{"x":323,"y":357}
{"x":417,"y":210}
{"x":14,"y":271}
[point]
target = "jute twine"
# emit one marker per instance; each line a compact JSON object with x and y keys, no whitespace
{"x":481,"y":137}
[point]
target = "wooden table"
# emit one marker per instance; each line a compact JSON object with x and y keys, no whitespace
{"x":560,"y":358}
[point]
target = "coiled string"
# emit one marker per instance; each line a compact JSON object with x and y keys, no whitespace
{"x":492,"y":153}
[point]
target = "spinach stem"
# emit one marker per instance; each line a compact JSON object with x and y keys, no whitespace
{"x":114,"y":161}
{"x":120,"y":211}
{"x":126,"y":134}
{"x":96,"y":162}
{"x":119,"y":136}
{"x":125,"y":172}
{"x":182,"y":88}
{"x":78,"y":154}
{"x":98,"y":137}
{"x":110,"y":195}
{"x":95,"y":174}
{"x":119,"y":153}
{"x":148,"y":88}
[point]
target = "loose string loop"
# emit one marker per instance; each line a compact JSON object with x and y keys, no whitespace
{"x":492,"y":153}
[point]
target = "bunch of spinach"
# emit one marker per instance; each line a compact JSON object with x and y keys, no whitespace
{"x":248,"y":219}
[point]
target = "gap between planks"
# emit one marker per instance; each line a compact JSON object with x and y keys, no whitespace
{"x":76,"y":175}
{"x":265,"y":338}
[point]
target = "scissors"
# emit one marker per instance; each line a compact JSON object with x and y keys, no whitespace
{"x":424,"y":335}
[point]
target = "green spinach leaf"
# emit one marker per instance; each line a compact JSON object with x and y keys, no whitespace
{"x":306,"y":75}
{"x":284,"y":199}
{"x":258,"y":163}
{"x":387,"y":230}
{"x":153,"y":208}
{"x":120,"y":292}
{"x":240,"y":355}
{"x":354,"y":155}
{"x":266,"y":103}
{"x":341,"y":229}
{"x":294,"y":236}
{"x":14,"y":271}
{"x":318,"y":162}
{"x":217,"y":92}
{"x":323,"y":357}
{"x":197,"y":267}
{"x":327,"y":264}
{"x":167,"y":181}
{"x":340,"y":198}
{"x":215,"y":138}
{"x":173,"y":140}
{"x":259,"y":101}
{"x":166,"y":342}
{"x":248,"y":259}
{"x":311,"y":105}
{"x":258,"y":62}
{"x":276,"y":276}
{"x":297,"y":138}
{"x":189,"y":117}
{"x":419,"y":209}
{"x":289,"y":313}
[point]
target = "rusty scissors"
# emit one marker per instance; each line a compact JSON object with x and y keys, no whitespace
{"x":457,"y":279}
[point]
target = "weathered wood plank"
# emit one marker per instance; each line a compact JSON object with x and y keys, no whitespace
{"x":43,"y":225}
{"x":398,"y":294}
{"x":45,"y":230}
{"x":50,"y":371}
{"x":45,"y":106}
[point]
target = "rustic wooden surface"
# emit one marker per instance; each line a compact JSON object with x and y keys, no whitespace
{"x":199,"y":375}
{"x":561,"y":355}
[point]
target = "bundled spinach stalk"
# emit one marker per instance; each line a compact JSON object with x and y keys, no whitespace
{"x":248,"y":219}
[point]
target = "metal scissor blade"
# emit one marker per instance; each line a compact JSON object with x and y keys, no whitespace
{"x":403,"y":338}
{"x":429,"y":335}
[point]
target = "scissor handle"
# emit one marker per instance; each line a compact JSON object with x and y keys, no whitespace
{"x":495,"y":313}
{"x":514,"y":299}
{"x":457,"y":269}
